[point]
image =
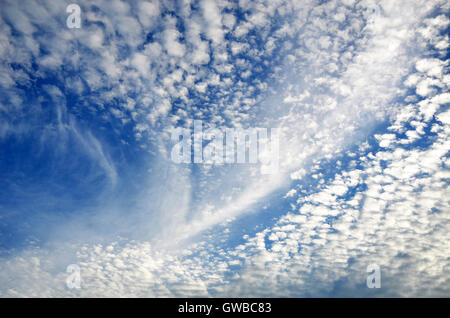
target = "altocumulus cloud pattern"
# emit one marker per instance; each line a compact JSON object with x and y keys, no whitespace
{"x":357,"y":88}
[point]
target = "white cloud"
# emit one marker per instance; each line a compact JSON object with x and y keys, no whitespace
{"x":325,"y":92}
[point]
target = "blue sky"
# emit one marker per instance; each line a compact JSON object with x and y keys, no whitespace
{"x":359,"y":90}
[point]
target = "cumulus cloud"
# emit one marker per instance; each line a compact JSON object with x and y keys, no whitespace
{"x":360,"y":101}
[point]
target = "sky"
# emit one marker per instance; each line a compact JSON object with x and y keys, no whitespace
{"x":357,"y":88}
